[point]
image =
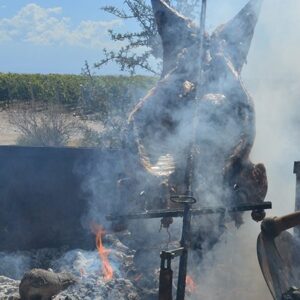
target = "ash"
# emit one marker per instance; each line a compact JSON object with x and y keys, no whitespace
{"x":127,"y":284}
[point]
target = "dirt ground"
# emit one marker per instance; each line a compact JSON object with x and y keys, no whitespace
{"x":9,"y":133}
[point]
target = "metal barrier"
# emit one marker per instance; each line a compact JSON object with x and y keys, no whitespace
{"x":44,"y":195}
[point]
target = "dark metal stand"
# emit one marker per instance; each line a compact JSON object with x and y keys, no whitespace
{"x":297,"y":200}
{"x":166,"y":273}
{"x":187,"y":201}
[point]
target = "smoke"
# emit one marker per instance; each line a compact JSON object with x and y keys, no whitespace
{"x":231,"y":270}
{"x":13,"y":265}
{"x":272,"y":76}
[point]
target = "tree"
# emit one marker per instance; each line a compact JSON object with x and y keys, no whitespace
{"x":140,"y":49}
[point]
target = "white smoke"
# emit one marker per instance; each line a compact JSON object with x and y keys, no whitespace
{"x":231,"y":270}
{"x":272,"y":76}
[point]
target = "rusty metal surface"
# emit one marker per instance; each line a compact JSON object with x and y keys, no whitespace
{"x":274,"y":226}
{"x":165,"y":284}
{"x":44,"y":194}
{"x":297,"y":200}
{"x":163,"y":213}
{"x":279,"y":262}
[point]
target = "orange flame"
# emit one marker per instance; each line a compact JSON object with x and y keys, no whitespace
{"x":103,"y":253}
{"x":190,"y":284}
{"x":138,"y":277}
{"x":82,"y":272}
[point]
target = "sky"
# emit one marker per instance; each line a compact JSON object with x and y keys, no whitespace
{"x":54,"y":36}
{"x":57,"y":36}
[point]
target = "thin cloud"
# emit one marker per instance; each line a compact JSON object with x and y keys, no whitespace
{"x":47,"y":26}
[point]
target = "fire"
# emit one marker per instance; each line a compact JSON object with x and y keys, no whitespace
{"x":138,"y":277}
{"x":82,"y":272}
{"x":103,"y":253}
{"x":190,"y":284}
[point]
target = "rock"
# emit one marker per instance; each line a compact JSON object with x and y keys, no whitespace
{"x":44,"y":284}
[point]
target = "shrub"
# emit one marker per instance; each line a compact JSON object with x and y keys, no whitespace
{"x":96,"y":94}
{"x":42,"y":127}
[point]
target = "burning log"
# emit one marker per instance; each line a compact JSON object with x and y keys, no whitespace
{"x":43,"y":284}
{"x":82,"y":264}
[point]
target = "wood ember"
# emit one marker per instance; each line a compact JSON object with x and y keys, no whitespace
{"x":86,"y":267}
{"x":9,"y":288}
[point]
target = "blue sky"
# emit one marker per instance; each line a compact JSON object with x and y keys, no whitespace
{"x":52,"y":36}
{"x":57,"y":36}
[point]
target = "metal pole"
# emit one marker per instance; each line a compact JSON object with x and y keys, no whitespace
{"x":201,"y":44}
{"x":202,"y":20}
{"x":189,"y":175}
{"x":185,"y":240}
{"x":169,"y":213}
{"x":297,"y":200}
{"x":165,"y":278}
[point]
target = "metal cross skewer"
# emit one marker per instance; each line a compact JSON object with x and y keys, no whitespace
{"x":166,"y":273}
{"x":187,"y":200}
